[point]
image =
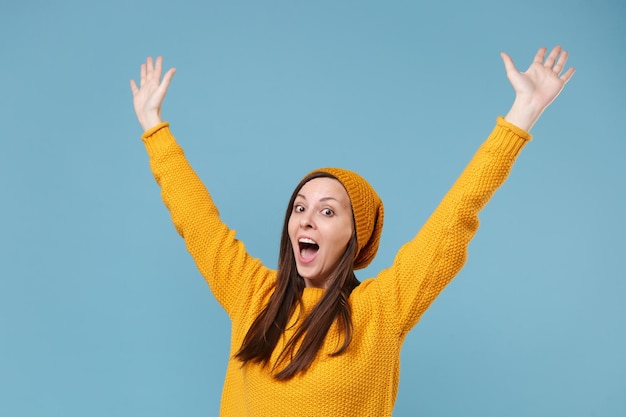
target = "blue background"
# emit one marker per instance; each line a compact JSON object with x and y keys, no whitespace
{"x":102,"y":312}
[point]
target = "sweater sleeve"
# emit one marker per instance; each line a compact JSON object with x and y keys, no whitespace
{"x":426,"y":264}
{"x":220,"y":257}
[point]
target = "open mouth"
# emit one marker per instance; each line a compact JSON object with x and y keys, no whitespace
{"x":308,"y":248}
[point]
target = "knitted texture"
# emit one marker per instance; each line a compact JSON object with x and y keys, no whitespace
{"x":363,"y":381}
{"x":368,"y":212}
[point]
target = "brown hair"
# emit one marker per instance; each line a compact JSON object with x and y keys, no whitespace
{"x":267,"y":329}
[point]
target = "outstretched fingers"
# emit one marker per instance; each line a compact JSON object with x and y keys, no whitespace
{"x":143,"y":76}
{"x":509,"y":66}
{"x":551,"y":59}
{"x":540,"y":56}
{"x":165,"y":83}
{"x":149,"y":69}
{"x":158,"y":68}
{"x":149,"y":93}
{"x":142,"y":80}
{"x":556,"y":61}
{"x":568,"y":74}
{"x":536,"y":88}
{"x":560,"y":64}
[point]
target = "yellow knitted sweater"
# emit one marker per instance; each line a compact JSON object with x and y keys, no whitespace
{"x":364,"y":380}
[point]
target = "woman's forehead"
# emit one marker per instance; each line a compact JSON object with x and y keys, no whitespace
{"x":321,"y":189}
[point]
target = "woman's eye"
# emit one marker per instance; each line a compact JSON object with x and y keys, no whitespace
{"x":298,"y":208}
{"x":327,"y":212}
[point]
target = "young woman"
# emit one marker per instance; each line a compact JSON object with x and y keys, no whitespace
{"x":308,"y":339}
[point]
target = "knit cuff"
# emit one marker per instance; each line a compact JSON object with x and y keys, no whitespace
{"x":158,"y":138}
{"x":508,"y":137}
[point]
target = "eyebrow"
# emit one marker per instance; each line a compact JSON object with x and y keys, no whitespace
{"x":321,"y":199}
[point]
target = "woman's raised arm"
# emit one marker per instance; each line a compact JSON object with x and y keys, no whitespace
{"x":425,"y":265}
{"x":219,"y":256}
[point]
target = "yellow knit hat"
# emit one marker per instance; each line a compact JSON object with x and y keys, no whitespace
{"x":368,"y":212}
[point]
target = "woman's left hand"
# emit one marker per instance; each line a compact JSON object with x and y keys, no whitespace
{"x":537,"y":87}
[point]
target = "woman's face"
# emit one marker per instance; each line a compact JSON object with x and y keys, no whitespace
{"x":320,"y":228}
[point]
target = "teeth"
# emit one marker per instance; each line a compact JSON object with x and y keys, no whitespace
{"x":307,"y":240}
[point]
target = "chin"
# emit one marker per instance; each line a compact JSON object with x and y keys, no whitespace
{"x":311,"y":278}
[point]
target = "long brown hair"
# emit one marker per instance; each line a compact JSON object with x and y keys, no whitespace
{"x":267,"y":329}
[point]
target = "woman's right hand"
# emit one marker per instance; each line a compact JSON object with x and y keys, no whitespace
{"x":148,"y":97}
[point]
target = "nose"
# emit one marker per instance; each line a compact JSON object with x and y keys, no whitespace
{"x":306,"y":222}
